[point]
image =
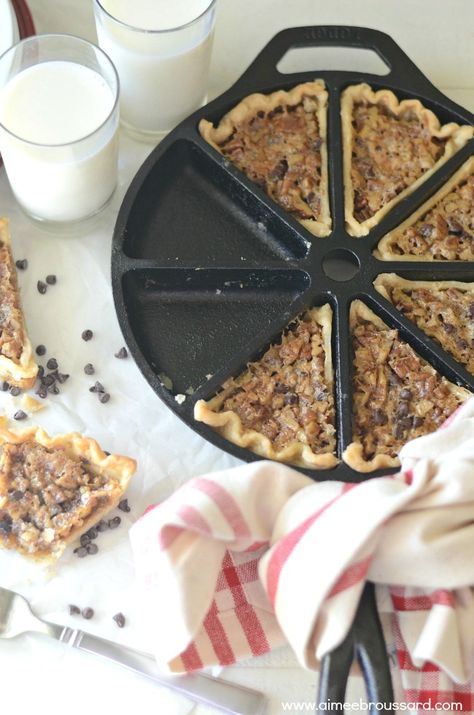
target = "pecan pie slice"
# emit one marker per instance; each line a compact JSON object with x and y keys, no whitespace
{"x":444,"y":310}
{"x":397,"y":395}
{"x":282,"y":406}
{"x":279,"y":142}
{"x":390,"y":148}
{"x":17,"y":365}
{"x":440,"y":230}
{"x":52,"y":490}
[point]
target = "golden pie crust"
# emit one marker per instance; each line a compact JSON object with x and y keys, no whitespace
{"x":397,"y":395}
{"x":444,"y":310}
{"x":17,"y":364}
{"x":448,"y":216}
{"x":449,"y":138}
{"x":303,"y":362}
{"x":250,"y":115}
{"x":33,"y":520}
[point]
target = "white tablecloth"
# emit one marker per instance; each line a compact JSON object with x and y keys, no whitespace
{"x":42,"y":676}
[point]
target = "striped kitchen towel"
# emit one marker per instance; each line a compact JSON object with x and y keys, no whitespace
{"x":238,"y":562}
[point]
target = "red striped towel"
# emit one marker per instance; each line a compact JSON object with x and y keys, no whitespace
{"x":238,"y":562}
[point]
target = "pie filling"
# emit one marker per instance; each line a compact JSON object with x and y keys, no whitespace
{"x":280,"y":150}
{"x":397,"y":395}
{"x":12,"y":334}
{"x":389,"y":153}
{"x":46,"y":494}
{"x":445,"y":232}
{"x":285,"y":396}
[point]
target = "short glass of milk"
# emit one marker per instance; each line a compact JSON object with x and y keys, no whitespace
{"x":58,"y":126}
{"x":162,"y":50}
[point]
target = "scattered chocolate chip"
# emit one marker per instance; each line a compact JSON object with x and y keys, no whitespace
{"x":62,"y":377}
{"x":15,"y":390}
{"x":102,"y":525}
{"x":417,"y":421}
{"x":291,"y":399}
{"x":87,"y":335}
{"x":393,"y":379}
{"x":97,"y":387}
{"x":54,"y":389}
{"x":6,"y":523}
{"x":402,"y":410}
{"x":81,"y":552}
{"x":448,"y":328}
{"x":121,"y":354}
{"x":92,"y":549}
{"x":104,"y":397}
{"x":399,"y":429}
{"x":73,"y":610}
{"x":123,"y":505}
{"x":454,"y":226}
{"x":47,"y":380}
{"x":42,"y":392}
{"x":42,"y":287}
{"x":17,"y":495}
{"x":89,"y":369}
{"x":5,"y":386}
{"x":460,"y":342}
{"x":52,"y":364}
{"x":113,"y":523}
{"x":119,"y":619}
{"x":40,"y":372}
{"x":20,"y":415}
{"x":405,"y":394}
{"x":426,"y":230}
{"x":85,"y":540}
{"x":22,"y":264}
{"x":40,"y":350}
{"x":51,"y":279}
{"x":87,"y":612}
{"x":91,"y":534}
{"x":280,"y":388}
{"x":379,"y":417}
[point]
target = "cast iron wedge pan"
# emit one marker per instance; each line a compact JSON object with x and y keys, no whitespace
{"x":208,"y":271}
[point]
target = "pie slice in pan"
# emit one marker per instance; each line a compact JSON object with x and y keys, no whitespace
{"x":17,"y":365}
{"x":444,"y":310}
{"x":397,"y":395}
{"x":282,"y":406}
{"x":52,"y":490}
{"x":390,"y":148}
{"x":279,"y":142}
{"x":441,"y":229}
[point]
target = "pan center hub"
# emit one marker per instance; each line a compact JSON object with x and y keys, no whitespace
{"x":341,"y":264}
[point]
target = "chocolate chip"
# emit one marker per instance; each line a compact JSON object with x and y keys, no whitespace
{"x":92,"y":549}
{"x":15,"y":390}
{"x":84,"y":540}
{"x":104,"y":397}
{"x":62,"y":377}
{"x":461,"y":343}
{"x":54,"y":390}
{"x":51,"y":279}
{"x":52,"y":364}
{"x":393,"y":379}
{"x":42,"y":287}
{"x":22,"y":264}
{"x":448,"y":328}
{"x":399,"y":429}
{"x":47,"y":380}
{"x":42,"y":392}
{"x":471,"y":310}
{"x":5,"y":386}
{"x":426,"y":230}
{"x":6,"y":523}
{"x":40,"y":350}
{"x":89,"y":369}
{"x":87,"y":613}
{"x":102,"y":526}
{"x":280,"y":388}
{"x":20,"y":415}
{"x":97,"y":387}
{"x":91,"y":534}
{"x":40,"y":372}
{"x":405,"y":394}
{"x":379,"y":417}
{"x":121,"y":354}
{"x":87,"y":335}
{"x":119,"y":619}
{"x":73,"y":610}
{"x":81,"y":552}
{"x":402,"y":410}
{"x":123,"y":505}
{"x":113,"y":523}
{"x":17,"y":495}
{"x":454,"y":226}
{"x":417,"y":421}
{"x":291,"y":399}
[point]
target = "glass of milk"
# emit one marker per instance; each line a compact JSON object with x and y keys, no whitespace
{"x":58,"y":126}
{"x":161,"y":49}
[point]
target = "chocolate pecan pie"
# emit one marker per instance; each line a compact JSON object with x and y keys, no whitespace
{"x":282,"y":406}
{"x":279,"y":142}
{"x":52,"y":490}
{"x":390,"y":148}
{"x":440,"y":230}
{"x":444,"y":310}
{"x":17,"y":365}
{"x":397,"y":395}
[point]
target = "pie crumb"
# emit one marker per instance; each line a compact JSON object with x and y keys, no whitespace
{"x":30,"y":404}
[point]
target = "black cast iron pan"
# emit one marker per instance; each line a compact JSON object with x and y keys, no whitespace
{"x":207,"y":271}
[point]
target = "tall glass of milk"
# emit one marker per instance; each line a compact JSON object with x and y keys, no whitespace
{"x":161,"y":49}
{"x":58,"y":126}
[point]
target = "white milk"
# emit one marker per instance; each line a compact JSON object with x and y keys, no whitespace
{"x":163,"y":75}
{"x":65,"y":168}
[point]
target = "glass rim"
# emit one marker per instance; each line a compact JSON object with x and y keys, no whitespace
{"x":134,"y":28}
{"x":80,"y":40}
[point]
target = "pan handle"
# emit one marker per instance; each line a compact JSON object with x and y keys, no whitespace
{"x":365,"y":642}
{"x":263,"y":72}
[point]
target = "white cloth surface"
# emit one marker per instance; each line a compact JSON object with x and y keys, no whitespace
{"x":438,"y":36}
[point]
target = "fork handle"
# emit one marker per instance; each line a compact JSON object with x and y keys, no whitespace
{"x":228,"y":697}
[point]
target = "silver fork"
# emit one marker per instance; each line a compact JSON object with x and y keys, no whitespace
{"x":16,"y":617}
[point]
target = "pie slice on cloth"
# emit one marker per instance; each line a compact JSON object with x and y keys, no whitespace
{"x":397,"y":395}
{"x":52,"y":490}
{"x":17,"y":365}
{"x":440,"y":230}
{"x":282,"y":406}
{"x":444,"y":310}
{"x":279,"y":142}
{"x":390,"y":148}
